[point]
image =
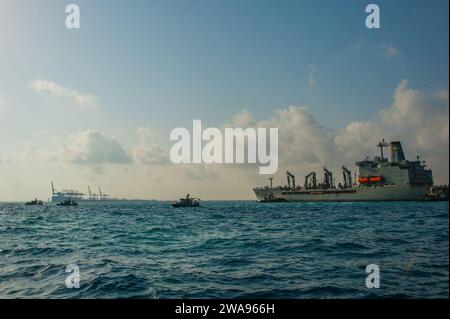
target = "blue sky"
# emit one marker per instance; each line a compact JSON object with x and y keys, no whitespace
{"x":161,"y":64}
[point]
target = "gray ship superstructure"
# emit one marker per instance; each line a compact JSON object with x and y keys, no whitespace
{"x":378,"y":179}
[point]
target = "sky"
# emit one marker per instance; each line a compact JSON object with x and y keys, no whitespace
{"x":95,"y":105}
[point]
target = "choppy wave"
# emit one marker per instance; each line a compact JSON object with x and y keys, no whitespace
{"x":225,"y":250}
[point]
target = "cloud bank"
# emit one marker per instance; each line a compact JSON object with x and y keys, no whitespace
{"x":419,"y":119}
{"x":91,"y":148}
{"x":147,"y":152}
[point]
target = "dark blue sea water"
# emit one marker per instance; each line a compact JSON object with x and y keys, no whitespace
{"x":225,"y":250}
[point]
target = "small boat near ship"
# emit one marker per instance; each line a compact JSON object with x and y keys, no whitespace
{"x":34,"y":202}
{"x":187,"y":202}
{"x":68,"y":202}
{"x":437,"y":193}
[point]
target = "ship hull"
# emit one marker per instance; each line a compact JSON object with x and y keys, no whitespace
{"x":355,"y":194}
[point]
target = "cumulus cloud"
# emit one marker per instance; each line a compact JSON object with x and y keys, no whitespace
{"x":301,"y":137}
{"x":359,"y":139}
{"x":147,"y":152}
{"x":413,"y":108}
{"x":419,"y":119}
{"x":92,"y":148}
{"x":242,"y":119}
{"x":87,"y":101}
{"x":303,"y":143}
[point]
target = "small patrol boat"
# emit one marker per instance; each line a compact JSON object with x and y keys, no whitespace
{"x":35,"y":202}
{"x":68,"y":202}
{"x":187,"y":202}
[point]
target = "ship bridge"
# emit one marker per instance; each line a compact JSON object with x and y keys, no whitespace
{"x":397,"y":171}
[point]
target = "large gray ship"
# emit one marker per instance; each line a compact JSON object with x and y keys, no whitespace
{"x":379,"y":179}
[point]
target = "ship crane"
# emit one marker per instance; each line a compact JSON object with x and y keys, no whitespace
{"x":328,"y":178}
{"x":91,"y":194}
{"x":311,"y":175}
{"x":289,"y":178}
{"x":271,"y":182}
{"x":102,"y":195}
{"x":347,"y":177}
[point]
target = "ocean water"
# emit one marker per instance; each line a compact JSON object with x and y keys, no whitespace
{"x":225,"y":250}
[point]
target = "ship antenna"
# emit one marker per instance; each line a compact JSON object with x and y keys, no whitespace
{"x":53,"y":189}
{"x":381,"y":145}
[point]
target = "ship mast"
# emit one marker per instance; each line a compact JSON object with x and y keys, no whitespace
{"x":381,"y":145}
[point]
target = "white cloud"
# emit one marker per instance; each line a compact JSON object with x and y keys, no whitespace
{"x":91,"y":148}
{"x":242,"y":119}
{"x":304,"y":144}
{"x":359,"y":139}
{"x":147,"y":152}
{"x":45,"y":87}
{"x":413,"y":108}
{"x":389,"y":51}
{"x":146,"y":133}
{"x":419,"y":119}
{"x":384,"y":50}
{"x":301,"y":138}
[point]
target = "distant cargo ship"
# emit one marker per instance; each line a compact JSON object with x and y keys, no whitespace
{"x":379,"y":179}
{"x":66,"y":194}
